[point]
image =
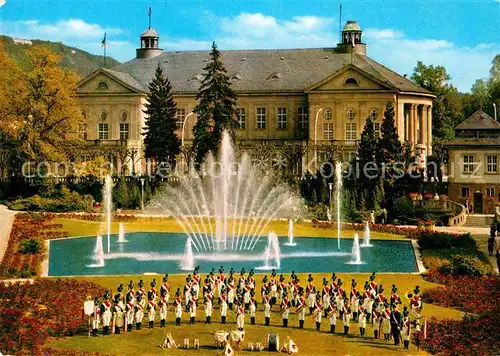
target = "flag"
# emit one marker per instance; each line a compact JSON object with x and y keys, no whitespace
{"x":103,"y":42}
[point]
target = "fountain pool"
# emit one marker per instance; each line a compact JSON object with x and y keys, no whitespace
{"x":164,"y":252}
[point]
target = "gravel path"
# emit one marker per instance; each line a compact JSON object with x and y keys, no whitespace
{"x":6,"y":220}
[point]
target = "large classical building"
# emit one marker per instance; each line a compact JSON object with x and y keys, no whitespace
{"x":474,"y":172}
{"x":314,"y":96}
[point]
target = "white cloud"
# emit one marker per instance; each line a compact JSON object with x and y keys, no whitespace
{"x":381,"y":34}
{"x":2,"y":3}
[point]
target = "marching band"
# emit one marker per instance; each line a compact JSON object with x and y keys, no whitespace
{"x":331,"y":302}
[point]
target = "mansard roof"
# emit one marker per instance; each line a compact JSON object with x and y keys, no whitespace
{"x":256,"y":70}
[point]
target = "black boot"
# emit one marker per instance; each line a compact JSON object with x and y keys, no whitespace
{"x":192,"y":320}
{"x":178,"y":321}
{"x":301,"y":324}
{"x":129,"y":327}
{"x":332,"y":329}
{"x":117,"y":329}
{"x":346,"y":330}
{"x":230,"y":306}
{"x":105,"y":330}
{"x":311,"y":310}
{"x":150,"y":324}
{"x":406,"y":343}
{"x":223,"y":320}
{"x":318,"y":326}
{"x":209,"y":320}
{"x":94,"y":332}
{"x":139,"y":326}
{"x":355,"y":315}
{"x":285,"y":323}
{"x":268,"y":320}
{"x":375,"y":332}
{"x":252,"y":320}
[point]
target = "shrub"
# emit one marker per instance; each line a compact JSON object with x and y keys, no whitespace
{"x":403,"y":209}
{"x":30,"y":246}
{"x":444,"y":240}
{"x":66,"y":201}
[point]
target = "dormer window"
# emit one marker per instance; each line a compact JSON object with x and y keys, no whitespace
{"x":236,"y":76}
{"x":102,"y":86}
{"x":198,"y":77}
{"x":274,"y":76}
{"x":351,"y":81}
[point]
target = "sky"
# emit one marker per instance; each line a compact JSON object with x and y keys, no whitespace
{"x":463,"y":36}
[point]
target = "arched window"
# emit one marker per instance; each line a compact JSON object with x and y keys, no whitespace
{"x":124,"y":116}
{"x":351,"y":114}
{"x":103,"y":115}
{"x":328,"y":114}
{"x":351,"y":81}
{"x":102,"y":86}
{"x":374,"y":114}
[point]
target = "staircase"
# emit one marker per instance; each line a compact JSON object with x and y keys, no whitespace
{"x":479,"y":220}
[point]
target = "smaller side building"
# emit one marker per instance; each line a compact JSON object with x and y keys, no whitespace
{"x":473,"y":157}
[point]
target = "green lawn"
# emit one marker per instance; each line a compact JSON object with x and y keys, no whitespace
{"x":309,"y":341}
{"x":91,"y":228}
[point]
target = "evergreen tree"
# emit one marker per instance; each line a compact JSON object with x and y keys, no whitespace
{"x":215,"y":109}
{"x":160,"y":140}
{"x":390,"y":146}
{"x":120,"y":194}
{"x":134,"y":195}
{"x":367,"y":168}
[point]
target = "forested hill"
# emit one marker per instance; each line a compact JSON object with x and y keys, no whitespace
{"x":75,"y":59}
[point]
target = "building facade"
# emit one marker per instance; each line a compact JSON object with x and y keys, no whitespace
{"x":315,"y":97}
{"x":473,"y":155}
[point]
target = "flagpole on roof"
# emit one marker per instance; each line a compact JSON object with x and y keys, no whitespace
{"x":340,"y":23}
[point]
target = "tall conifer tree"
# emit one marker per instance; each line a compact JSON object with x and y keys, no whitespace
{"x":160,"y":139}
{"x":215,"y":109}
{"x":368,"y":170}
{"x":390,"y":147}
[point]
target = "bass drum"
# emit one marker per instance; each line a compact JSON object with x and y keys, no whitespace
{"x":273,"y":342}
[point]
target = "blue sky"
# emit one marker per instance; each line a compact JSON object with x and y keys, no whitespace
{"x":464,"y":36}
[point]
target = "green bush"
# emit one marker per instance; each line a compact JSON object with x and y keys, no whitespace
{"x":444,"y":240}
{"x":66,"y":201}
{"x":30,"y":246}
{"x":466,"y":265}
{"x":403,"y":209}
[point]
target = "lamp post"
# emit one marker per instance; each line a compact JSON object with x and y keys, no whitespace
{"x":142,"y":193}
{"x":182,"y":137}
{"x":316,"y":136}
{"x":330,"y":188}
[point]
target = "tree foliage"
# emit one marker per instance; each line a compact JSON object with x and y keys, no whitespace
{"x":160,"y":140}
{"x":215,"y":109}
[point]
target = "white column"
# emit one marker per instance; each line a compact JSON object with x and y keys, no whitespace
{"x":429,"y":130}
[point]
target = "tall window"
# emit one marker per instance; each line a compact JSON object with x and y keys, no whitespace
{"x":83,"y":131}
{"x":351,"y":114}
{"x":180,"y":116}
{"x":303,"y":122}
{"x":468,"y":164}
{"x":490,"y":192}
{"x":350,"y":131}
{"x":241,"y":117}
{"x":261,"y":118}
{"x":124,"y":131}
{"x":376,"y":129}
{"x":328,"y":132}
{"x":465,"y":193}
{"x":282,"y":118}
{"x":103,"y":132}
{"x":491,"y":164}
{"x":374,"y":114}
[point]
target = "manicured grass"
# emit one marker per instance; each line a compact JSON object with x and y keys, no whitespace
{"x":91,"y":228}
{"x":308,"y":340}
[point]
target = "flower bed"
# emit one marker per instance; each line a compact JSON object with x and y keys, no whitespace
{"x":50,"y":351}
{"x":30,"y":313}
{"x":92,"y":217}
{"x":28,"y":226}
{"x":411,"y":232}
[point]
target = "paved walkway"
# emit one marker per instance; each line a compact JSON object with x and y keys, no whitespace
{"x":6,"y":220}
{"x":480,"y":234}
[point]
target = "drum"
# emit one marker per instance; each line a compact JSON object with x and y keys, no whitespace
{"x":273,"y":342}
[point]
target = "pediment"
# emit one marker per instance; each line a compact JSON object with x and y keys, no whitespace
{"x":350,"y":78}
{"x":103,"y":82}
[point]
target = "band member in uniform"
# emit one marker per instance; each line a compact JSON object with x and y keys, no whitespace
{"x":192,"y":307}
{"x":195,"y":283}
{"x":406,"y":329}
{"x":163,"y":305}
{"x":208,"y":307}
{"x":187,"y":291}
{"x":178,"y":307}
{"x":139,"y":310}
{"x":282,"y":288}
{"x":243,"y":280}
{"x":106,"y":313}
{"x":386,"y":323}
{"x":285,"y":309}
{"x":231,"y":286}
{"x":311,"y":294}
{"x":251,"y":280}
{"x":141,"y":288}
{"x":362,"y":321}
{"x":376,"y":322}
{"x":151,"y":307}
{"x":246,"y":295}
{"x":223,"y":306}
{"x":240,"y":315}
{"x":130,"y":306}
{"x":252,"y":307}
{"x":96,"y":317}
{"x":415,"y":303}
{"x":118,"y":312}
{"x":368,"y":305}
{"x":301,"y":309}
{"x":395,"y":324}
{"x":316,"y":313}
{"x":325,"y":294}
{"x":267,"y":307}
{"x":165,"y":288}
{"x":346,"y":320}
{"x":332,"y":315}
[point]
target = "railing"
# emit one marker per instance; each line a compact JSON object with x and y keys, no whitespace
{"x":458,"y":219}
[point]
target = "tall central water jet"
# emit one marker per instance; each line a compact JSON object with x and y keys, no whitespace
{"x":338,"y":187}
{"x":290,"y":234}
{"x":227,"y":204}
{"x":107,"y":199}
{"x":187,"y":261}
{"x":366,"y":236}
